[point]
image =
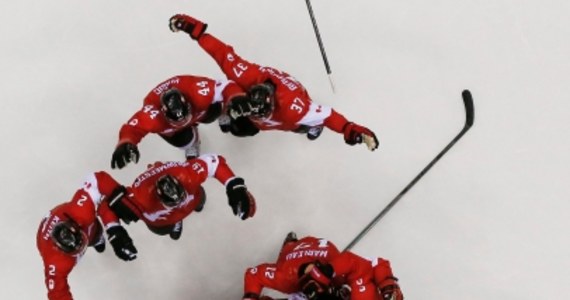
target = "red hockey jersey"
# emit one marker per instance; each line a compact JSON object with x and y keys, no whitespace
{"x":144,"y":201}
{"x":293,"y":105}
{"x":83,"y":210}
{"x":282,"y":276}
{"x":201,"y":92}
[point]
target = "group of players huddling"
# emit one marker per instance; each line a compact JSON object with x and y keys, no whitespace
{"x":251,"y":99}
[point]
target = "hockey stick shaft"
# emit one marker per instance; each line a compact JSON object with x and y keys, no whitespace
{"x":321,"y":46}
{"x":318,"y":35}
{"x":469,"y":119}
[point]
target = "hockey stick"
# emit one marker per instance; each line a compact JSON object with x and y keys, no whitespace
{"x":321,"y":46}
{"x":469,"y":118}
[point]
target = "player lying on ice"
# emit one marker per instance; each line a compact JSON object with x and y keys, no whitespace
{"x":313,"y":268}
{"x":275,"y":100}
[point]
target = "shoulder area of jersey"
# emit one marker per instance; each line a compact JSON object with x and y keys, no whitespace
{"x":168,"y":164}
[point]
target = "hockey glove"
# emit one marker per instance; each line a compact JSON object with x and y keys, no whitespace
{"x":122,"y":243}
{"x":243,"y":127}
{"x":191,"y":26}
{"x":240,"y":199}
{"x":356,"y":134}
{"x":119,"y":204}
{"x":241,"y":106}
{"x":390,"y":289}
{"x":341,"y":293}
{"x":316,"y":281}
{"x":125,"y":153}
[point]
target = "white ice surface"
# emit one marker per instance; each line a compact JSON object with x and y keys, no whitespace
{"x":489,"y":221}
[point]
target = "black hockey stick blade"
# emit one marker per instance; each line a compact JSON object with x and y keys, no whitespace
{"x":469,"y":119}
{"x":469,"y":110}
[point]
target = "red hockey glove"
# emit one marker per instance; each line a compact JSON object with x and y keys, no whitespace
{"x":315,"y":282}
{"x":356,"y":134}
{"x":240,"y":199}
{"x":195,"y":28}
{"x":390,"y":289}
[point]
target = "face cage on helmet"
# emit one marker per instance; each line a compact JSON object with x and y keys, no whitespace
{"x":263,"y":100}
{"x":69,"y":238}
{"x":170,"y":192}
{"x":177,"y":116}
{"x":266,"y":108}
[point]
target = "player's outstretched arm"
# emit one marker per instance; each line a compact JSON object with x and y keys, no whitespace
{"x":143,"y":122}
{"x":353,"y":133}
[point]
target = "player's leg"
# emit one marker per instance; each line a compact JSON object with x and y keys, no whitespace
{"x":98,"y":239}
{"x":187,"y":139}
{"x":174,"y":231}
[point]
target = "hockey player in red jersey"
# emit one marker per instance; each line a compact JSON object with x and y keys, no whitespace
{"x":283,"y":275}
{"x":275,"y":100}
{"x":173,"y":110}
{"x":367,"y":279}
{"x":312,"y":268}
{"x":67,"y":230}
{"x":167,"y":192}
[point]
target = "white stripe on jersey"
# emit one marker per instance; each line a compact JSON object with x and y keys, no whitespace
{"x":90,"y":185}
{"x":316,"y":115}
{"x":212,"y":161}
{"x":218,"y":89}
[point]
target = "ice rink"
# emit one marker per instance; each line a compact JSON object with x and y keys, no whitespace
{"x":491,"y":220}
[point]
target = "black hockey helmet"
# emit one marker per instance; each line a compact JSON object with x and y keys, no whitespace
{"x":174,"y":107}
{"x":170,"y":191}
{"x":68,"y":237}
{"x":262,"y":98}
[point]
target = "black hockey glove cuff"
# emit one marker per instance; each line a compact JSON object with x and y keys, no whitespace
{"x":122,"y":206}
